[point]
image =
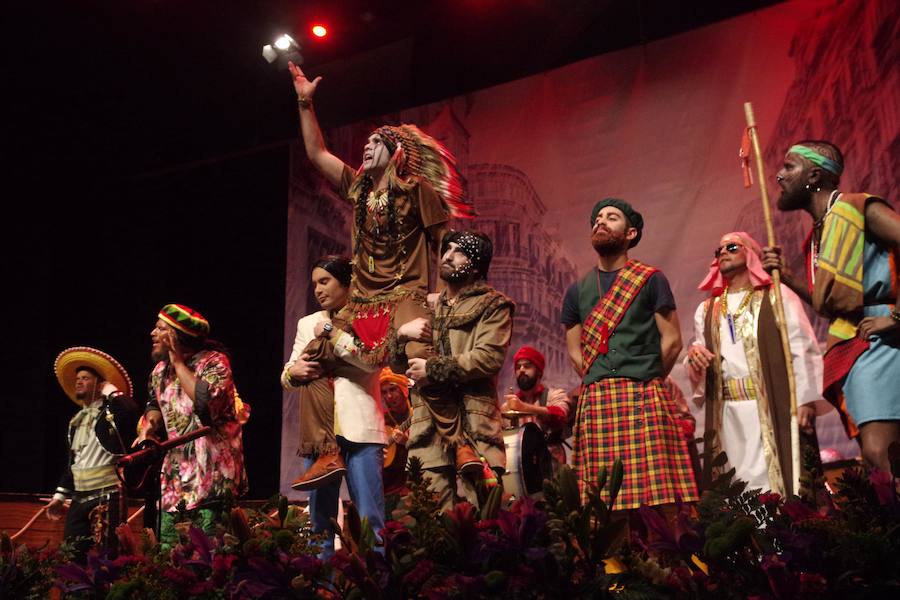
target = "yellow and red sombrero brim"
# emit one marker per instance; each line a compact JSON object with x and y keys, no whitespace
{"x":71,"y":359}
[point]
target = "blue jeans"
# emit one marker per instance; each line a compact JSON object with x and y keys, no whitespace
{"x":364,"y":480}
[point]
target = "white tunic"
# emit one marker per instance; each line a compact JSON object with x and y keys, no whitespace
{"x":741,"y":436}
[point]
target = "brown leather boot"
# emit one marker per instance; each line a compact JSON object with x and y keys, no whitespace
{"x":467,"y":461}
{"x":326,"y":469}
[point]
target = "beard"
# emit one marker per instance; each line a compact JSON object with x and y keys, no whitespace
{"x":794,"y":199}
{"x":607,"y":242}
{"x":80,"y":395}
{"x":525,"y":382}
{"x":458,"y":275}
{"x":159,"y":355}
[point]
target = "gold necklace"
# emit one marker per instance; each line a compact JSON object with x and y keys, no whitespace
{"x":730,"y":318}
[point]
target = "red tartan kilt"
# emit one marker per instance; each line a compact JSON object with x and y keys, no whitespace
{"x":633,"y":421}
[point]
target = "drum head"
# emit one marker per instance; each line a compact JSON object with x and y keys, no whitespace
{"x":534,"y":459}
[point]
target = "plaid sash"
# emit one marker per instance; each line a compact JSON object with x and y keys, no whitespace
{"x":608,"y":313}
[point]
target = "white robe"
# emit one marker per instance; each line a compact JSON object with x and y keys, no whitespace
{"x":741,"y":436}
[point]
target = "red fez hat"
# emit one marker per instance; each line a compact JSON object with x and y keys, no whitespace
{"x":530,"y":354}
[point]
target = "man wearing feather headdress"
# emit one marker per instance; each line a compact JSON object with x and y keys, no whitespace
{"x":403,"y":196}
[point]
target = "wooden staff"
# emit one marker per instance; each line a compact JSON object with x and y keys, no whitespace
{"x":779,"y":303}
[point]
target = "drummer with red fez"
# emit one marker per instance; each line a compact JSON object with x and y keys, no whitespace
{"x":547,"y":407}
{"x":98,"y":384}
{"x":191,"y":386}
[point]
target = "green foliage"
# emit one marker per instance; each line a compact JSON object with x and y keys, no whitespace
{"x":733,"y":544}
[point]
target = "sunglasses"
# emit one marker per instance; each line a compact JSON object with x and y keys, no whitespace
{"x":730,"y":248}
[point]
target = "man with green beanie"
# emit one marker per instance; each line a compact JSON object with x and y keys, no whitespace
{"x":623,"y":338}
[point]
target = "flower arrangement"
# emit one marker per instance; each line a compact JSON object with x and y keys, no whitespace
{"x":734,"y":543}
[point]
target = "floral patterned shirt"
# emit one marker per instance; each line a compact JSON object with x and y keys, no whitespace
{"x":204,"y":469}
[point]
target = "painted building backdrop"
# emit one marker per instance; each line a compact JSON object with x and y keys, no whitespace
{"x":659,"y":125}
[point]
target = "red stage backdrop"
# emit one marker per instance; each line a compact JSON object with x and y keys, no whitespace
{"x":659,"y":125}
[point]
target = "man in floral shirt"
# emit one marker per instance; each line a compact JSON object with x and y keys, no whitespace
{"x":190,"y":387}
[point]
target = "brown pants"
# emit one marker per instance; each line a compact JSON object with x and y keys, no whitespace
{"x":317,"y":405}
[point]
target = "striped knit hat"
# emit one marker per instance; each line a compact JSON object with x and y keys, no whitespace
{"x":185,"y":319}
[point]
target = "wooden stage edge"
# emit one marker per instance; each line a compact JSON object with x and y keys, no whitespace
{"x":17,"y":509}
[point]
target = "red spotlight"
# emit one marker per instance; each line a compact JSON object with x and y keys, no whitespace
{"x":319,"y":31}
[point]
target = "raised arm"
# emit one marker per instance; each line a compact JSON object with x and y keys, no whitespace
{"x":327,"y":163}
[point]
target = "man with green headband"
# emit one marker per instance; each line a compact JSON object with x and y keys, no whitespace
{"x":852,"y":267}
{"x":623,"y":338}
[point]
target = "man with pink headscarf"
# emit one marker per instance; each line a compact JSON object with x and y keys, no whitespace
{"x":737,"y":367}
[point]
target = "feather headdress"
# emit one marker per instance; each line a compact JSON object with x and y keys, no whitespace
{"x":415,"y":153}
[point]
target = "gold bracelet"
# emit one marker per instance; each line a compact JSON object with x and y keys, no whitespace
{"x":304,"y":102}
{"x":895,"y":314}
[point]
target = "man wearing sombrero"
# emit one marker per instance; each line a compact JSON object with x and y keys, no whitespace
{"x":100,"y":432}
{"x":192,"y":386}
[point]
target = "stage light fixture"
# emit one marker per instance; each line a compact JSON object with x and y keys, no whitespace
{"x":320,"y":31}
{"x":284,"y":42}
{"x":282,"y":50}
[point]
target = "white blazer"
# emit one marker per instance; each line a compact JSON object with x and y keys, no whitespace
{"x":358,"y":413}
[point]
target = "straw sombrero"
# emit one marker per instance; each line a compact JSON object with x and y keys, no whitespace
{"x":71,"y":359}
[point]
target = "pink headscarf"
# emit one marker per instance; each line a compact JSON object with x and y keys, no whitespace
{"x":714,"y":280}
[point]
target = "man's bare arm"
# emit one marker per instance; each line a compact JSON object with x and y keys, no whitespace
{"x":573,"y":346}
{"x":773,"y":259}
{"x":325,"y":162}
{"x":670,"y":338}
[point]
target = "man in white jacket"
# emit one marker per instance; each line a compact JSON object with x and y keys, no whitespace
{"x":350,"y":429}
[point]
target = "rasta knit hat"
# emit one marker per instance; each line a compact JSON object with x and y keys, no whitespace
{"x":633,"y":216}
{"x":185,"y":319}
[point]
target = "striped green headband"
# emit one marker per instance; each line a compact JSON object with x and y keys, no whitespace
{"x":817,"y":159}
